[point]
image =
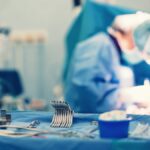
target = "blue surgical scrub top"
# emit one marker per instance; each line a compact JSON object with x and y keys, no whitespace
{"x":93,"y":81}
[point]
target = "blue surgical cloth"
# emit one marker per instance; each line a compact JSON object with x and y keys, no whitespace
{"x":93,"y":81}
{"x":95,"y":17}
{"x":82,"y":124}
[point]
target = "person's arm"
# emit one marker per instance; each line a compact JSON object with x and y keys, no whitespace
{"x":92,"y":80}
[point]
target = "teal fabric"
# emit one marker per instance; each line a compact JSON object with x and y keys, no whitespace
{"x":95,"y":17}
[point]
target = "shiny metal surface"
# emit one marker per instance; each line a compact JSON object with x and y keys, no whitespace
{"x":63,"y":116}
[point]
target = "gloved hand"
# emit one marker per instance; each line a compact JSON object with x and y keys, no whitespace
{"x":138,"y":94}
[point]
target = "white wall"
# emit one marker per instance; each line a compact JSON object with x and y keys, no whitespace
{"x":143,"y":5}
{"x":52,"y":15}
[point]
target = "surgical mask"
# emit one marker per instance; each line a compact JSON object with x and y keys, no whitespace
{"x":133,"y":56}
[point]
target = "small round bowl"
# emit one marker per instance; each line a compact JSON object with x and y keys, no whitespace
{"x":114,"y":129}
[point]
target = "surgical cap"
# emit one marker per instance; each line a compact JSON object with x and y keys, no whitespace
{"x":142,"y":36}
{"x":130,"y":22}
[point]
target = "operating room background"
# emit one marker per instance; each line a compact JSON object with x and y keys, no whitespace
{"x":55,"y":17}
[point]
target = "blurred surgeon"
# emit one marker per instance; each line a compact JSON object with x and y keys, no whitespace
{"x":94,"y":78}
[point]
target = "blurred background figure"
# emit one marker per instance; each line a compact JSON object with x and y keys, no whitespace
{"x":142,"y":96}
{"x":90,"y":21}
{"x":94,"y":75}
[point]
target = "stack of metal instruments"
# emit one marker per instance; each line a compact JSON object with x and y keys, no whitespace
{"x":63,"y":117}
